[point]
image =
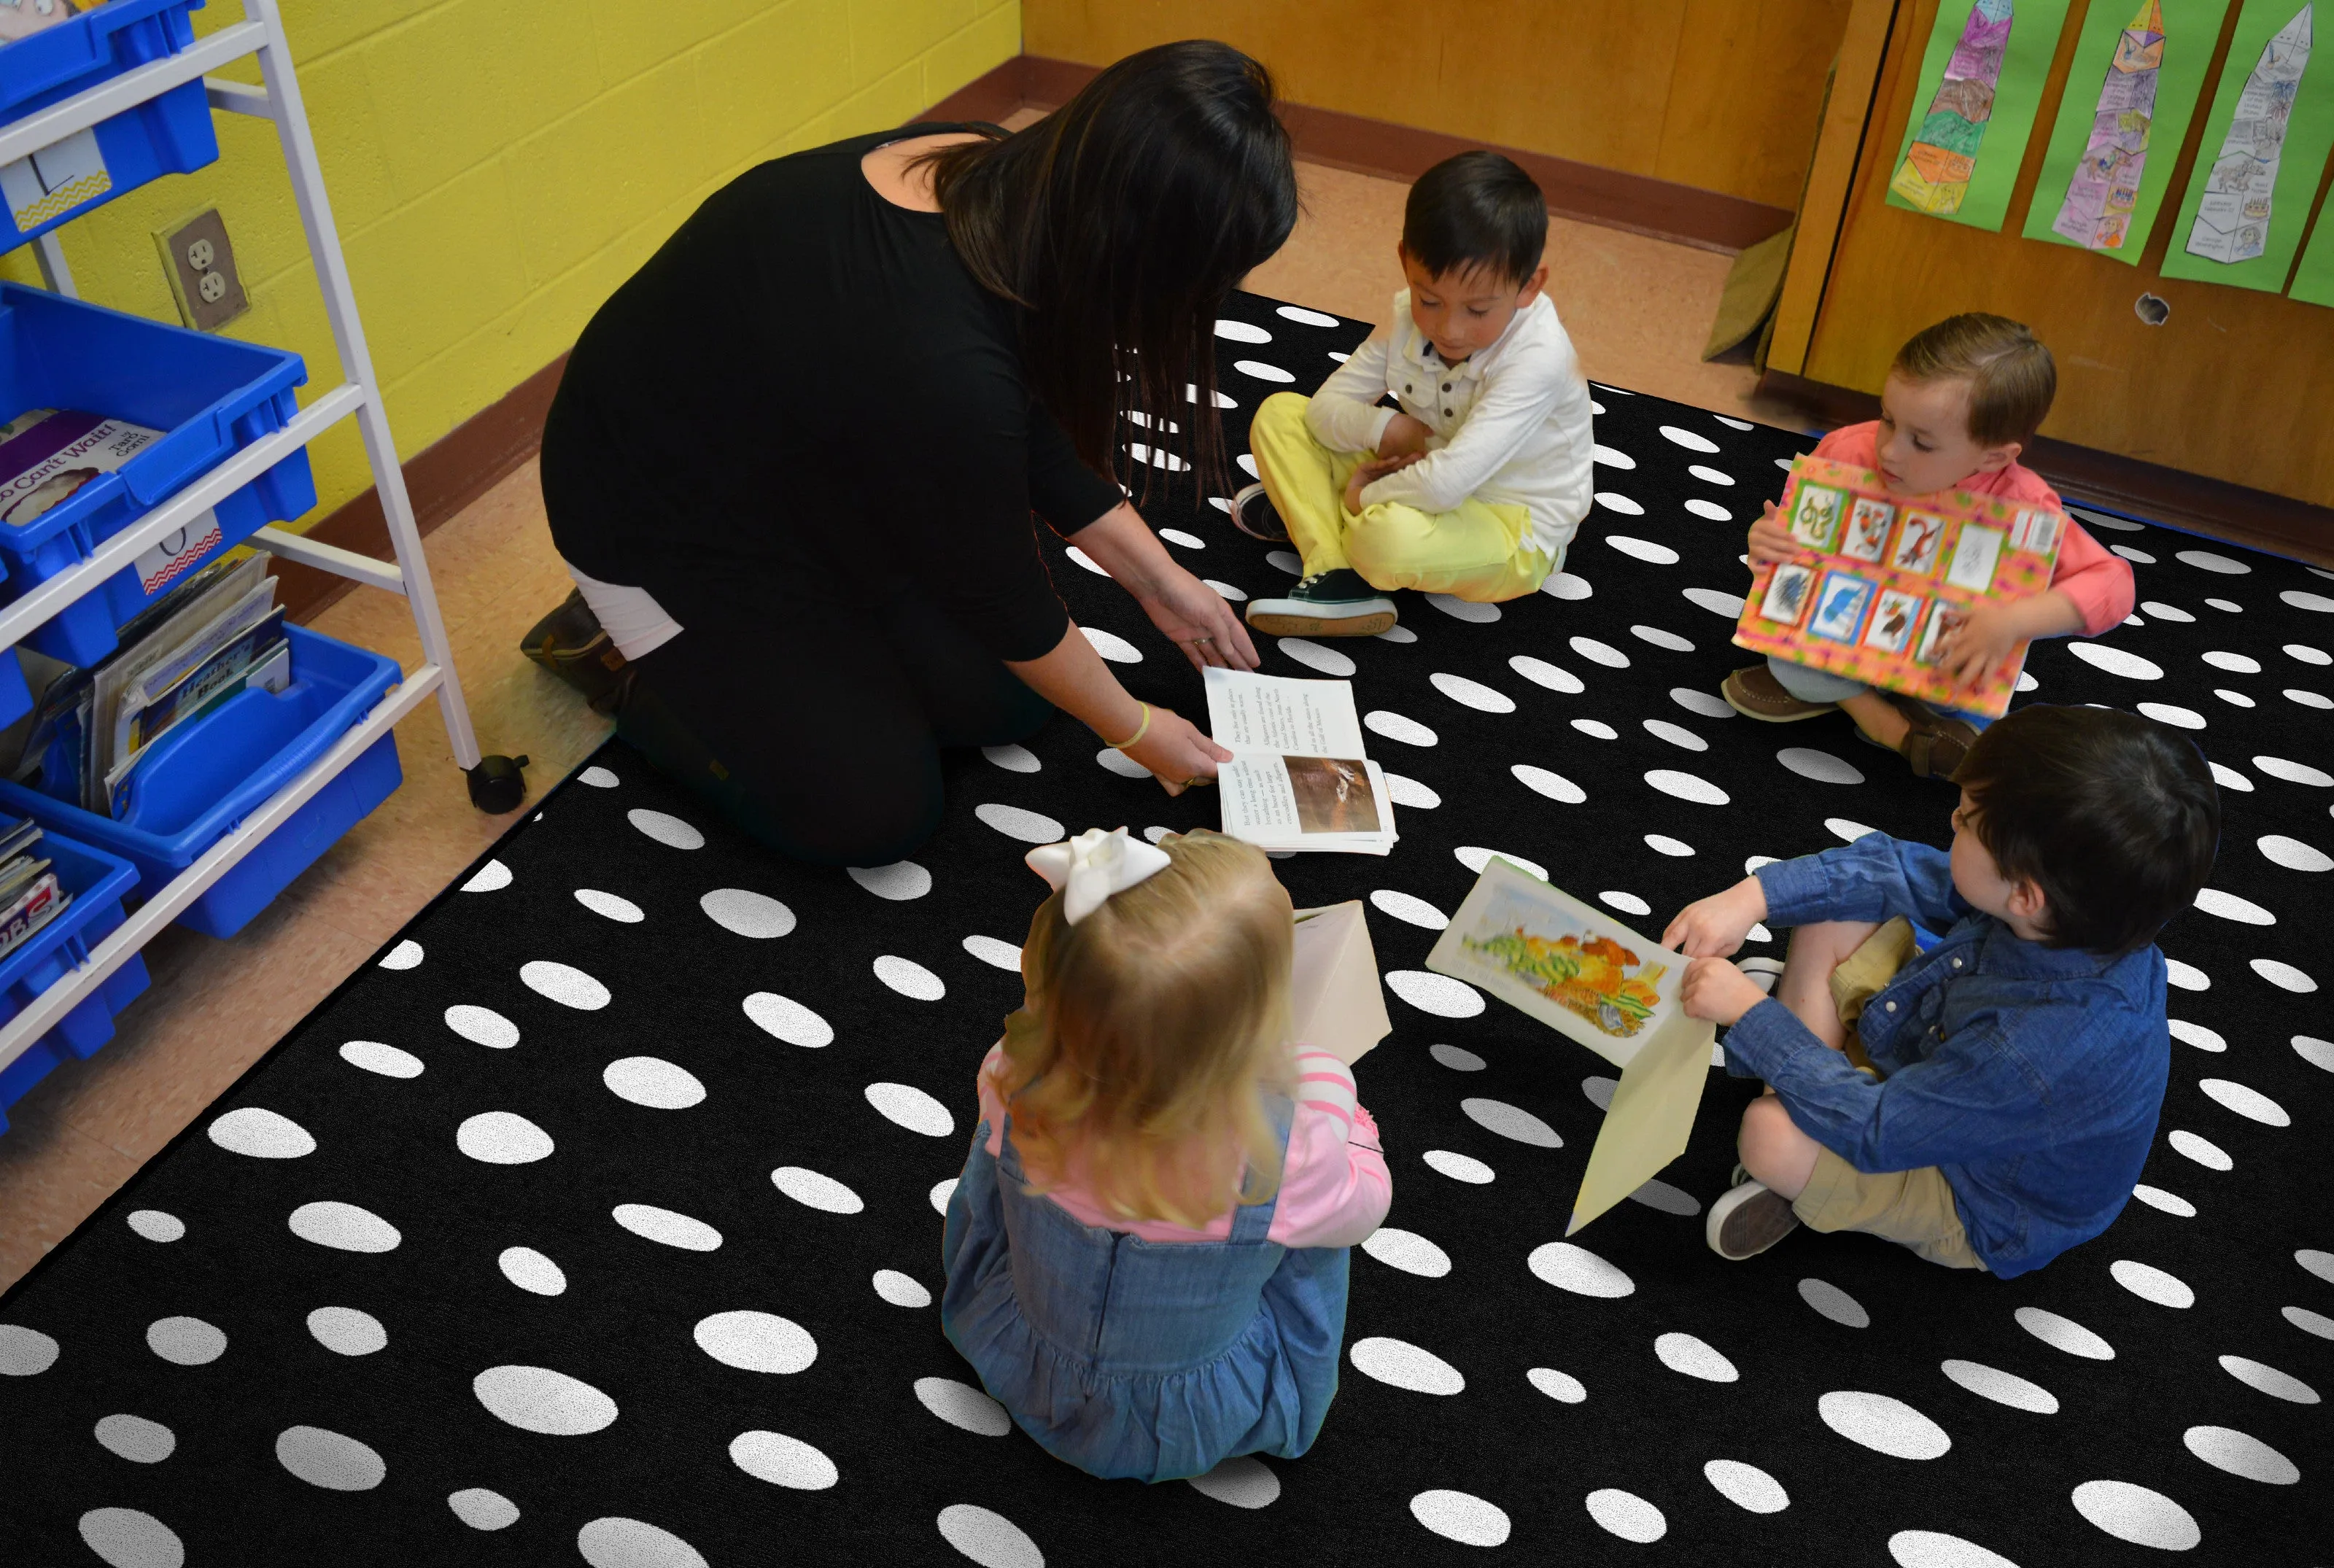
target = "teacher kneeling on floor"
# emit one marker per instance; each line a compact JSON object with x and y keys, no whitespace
{"x":793,"y":459}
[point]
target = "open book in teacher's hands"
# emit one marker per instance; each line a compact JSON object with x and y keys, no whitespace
{"x":1587,"y":975}
{"x":1298,"y":779}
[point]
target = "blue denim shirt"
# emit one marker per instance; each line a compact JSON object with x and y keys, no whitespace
{"x":2031,"y":1076}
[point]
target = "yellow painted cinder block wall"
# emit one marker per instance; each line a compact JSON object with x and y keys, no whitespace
{"x":496,"y":167}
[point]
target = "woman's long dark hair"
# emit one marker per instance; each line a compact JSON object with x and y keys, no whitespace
{"x":1120,"y":223}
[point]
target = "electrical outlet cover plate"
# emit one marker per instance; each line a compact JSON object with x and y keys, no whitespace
{"x":199,"y":261}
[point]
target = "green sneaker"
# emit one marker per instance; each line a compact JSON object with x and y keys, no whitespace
{"x":1326,"y":604}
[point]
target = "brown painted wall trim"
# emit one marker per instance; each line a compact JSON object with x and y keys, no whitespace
{"x":2212,"y":508}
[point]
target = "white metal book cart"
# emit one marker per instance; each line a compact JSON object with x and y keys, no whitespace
{"x":496,"y":782}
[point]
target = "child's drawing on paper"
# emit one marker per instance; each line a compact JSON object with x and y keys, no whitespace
{"x":1943,"y":621}
{"x":1893,"y":623}
{"x":1868,"y":529}
{"x":1917,"y":545}
{"x":1787,"y":594}
{"x":1573,"y":965}
{"x":1976,"y":553}
{"x":1815,"y":516}
{"x":1839,"y":610}
{"x":1935,"y":174}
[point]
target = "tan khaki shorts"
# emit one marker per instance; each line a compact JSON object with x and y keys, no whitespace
{"x":1913,"y":1208}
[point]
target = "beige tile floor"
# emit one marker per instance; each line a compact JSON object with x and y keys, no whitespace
{"x":1638,"y":309}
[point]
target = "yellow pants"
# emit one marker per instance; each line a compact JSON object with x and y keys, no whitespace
{"x":1475,"y":551}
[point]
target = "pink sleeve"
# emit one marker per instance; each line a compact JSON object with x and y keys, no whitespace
{"x":2099,"y":581}
{"x":1335,"y":1186}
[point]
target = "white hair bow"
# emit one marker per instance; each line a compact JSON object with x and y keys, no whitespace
{"x":1092,"y":866}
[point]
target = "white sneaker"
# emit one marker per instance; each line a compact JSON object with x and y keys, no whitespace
{"x":1747,"y":1220}
{"x":1336,"y":603}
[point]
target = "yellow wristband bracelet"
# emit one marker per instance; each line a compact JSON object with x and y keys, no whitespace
{"x":1141,"y":730}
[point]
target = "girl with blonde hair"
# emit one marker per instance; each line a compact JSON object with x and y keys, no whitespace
{"x":1146,"y":1255}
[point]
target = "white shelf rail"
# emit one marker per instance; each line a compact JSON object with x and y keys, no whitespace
{"x":277,"y":99}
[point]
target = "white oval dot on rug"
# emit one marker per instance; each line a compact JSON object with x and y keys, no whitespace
{"x":2196,"y":1035}
{"x":1661,"y":638}
{"x":2241,"y":1454}
{"x":348,"y":1331}
{"x":1691,"y":440}
{"x":1396,"y":727}
{"x":1710,"y":511}
{"x":2116,"y":661}
{"x":1685,"y":786}
{"x":2318,"y":603}
{"x":2201,"y":1150}
{"x":909,"y":978}
{"x":185,"y":1341}
{"x":1261,"y":372}
{"x":901,"y":1290}
{"x":1409,"y":791}
{"x":1457,"y":1058}
{"x":1013,"y":758}
{"x":2064,"y":1334}
{"x":1410,"y":911}
{"x":406,"y":954}
{"x":1846,"y":829}
{"x":1408,"y":1251}
{"x":1685,"y":1354}
{"x":2002,"y":1388}
{"x":2248,"y":1103}
{"x":2185,"y":976}
{"x":388,"y":1061}
{"x":1465,"y":610}
{"x":1614,"y":502}
{"x":1577,"y":1269}
{"x":1313,"y":656}
{"x":1287,"y":561}
{"x":813,"y":1189}
{"x":1708,"y":475}
{"x":2265,"y":1379}
{"x":988,"y":1538}
{"x":1663,"y":844}
{"x":899,"y":882}
{"x":654,"y":1082}
{"x":2316,"y":699}
{"x":1628,"y":903}
{"x":482,"y":1026}
{"x":1458,"y":1167}
{"x":1114,"y":648}
{"x":1659,"y":1195}
{"x":756,"y":1341}
{"x":2151,"y":1284}
{"x":905,"y":1105}
{"x":1243,"y":1483}
{"x":531,"y":1272}
{"x":2163,"y":1202}
{"x":541,"y":1401}
{"x":481,"y":1509}
{"x":501,"y":1138}
{"x":994,"y":952}
{"x":1882,"y":1424}
{"x":129,"y":1538}
{"x":963,"y":1407}
{"x":608,"y":906}
{"x":2319,"y":1054}
{"x":666,"y":1227}
{"x":614,"y":1542}
{"x":2229,"y":778}
{"x":1437,"y":994}
{"x":1562,"y":1387}
{"x":261,"y":1134}
{"x":2132,"y":552}
{"x":2133,"y":1513}
{"x":1540,"y":672}
{"x":1112,"y":760}
{"x":1029,"y":827}
{"x":491,"y":878}
{"x":1644,"y":550}
{"x":1241,"y":332}
{"x":1626,"y":1514}
{"x":136,"y":1439}
{"x":1599,"y":452}
{"x":788,"y":1020}
{"x":1676,"y":734}
{"x":1461,"y":1516}
{"x":154,"y":1225}
{"x":783,"y":1461}
{"x":2310,"y":1323}
{"x":1309,"y":318}
{"x":1747,"y":1487}
{"x":1566,"y":585}
{"x":1403,"y":1365}
{"x":1717,"y":603}
{"x":668,"y":831}
{"x":1829,"y":1300}
{"x":940,"y":1195}
{"x":744,"y":913}
{"x":564,"y":984}
{"x":1934,"y":1549}
{"x":2283,"y":975}
{"x":1471,"y":693}
{"x":2229,"y":907}
{"x":1554,"y":786}
{"x":1510,"y":1121}
{"x":2300,"y":773}
{"x":343,"y":1226}
{"x":331,"y":1460}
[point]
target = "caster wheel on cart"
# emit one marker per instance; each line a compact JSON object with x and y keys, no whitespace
{"x":498,"y":785}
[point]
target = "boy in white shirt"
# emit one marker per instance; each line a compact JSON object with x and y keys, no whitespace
{"x":1474,"y":487}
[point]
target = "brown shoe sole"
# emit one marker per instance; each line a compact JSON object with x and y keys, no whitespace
{"x":1753,"y":1226}
{"x":1799,"y":711}
{"x":1316,"y":626}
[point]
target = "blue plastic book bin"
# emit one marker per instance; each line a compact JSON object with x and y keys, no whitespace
{"x":171,"y":134}
{"x":97,"y":882}
{"x":15,"y":697}
{"x":211,"y":395}
{"x":203,"y":777}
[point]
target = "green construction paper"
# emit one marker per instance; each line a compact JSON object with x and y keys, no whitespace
{"x":2313,"y":280}
{"x":2018,"y":91}
{"x":2309,"y":138}
{"x":2192,"y":30}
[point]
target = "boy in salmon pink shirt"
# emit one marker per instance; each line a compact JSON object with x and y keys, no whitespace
{"x":1962,"y":402}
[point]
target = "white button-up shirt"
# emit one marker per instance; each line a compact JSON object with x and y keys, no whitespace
{"x":1511,"y":425}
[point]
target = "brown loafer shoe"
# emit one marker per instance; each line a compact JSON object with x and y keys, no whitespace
{"x":1935,"y":745}
{"x":1755,"y":693}
{"x":1747,"y":1220}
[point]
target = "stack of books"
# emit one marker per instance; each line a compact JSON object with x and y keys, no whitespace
{"x":29,"y":895}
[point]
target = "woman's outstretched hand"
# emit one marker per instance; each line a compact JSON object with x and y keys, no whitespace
{"x":1176,"y":753}
{"x":1195,"y":618}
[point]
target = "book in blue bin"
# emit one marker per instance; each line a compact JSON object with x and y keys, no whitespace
{"x":30,"y":897}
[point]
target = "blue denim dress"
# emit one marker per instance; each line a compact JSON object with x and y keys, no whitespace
{"x":1127,"y":1357}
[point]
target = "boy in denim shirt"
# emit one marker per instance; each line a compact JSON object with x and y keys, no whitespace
{"x":1989,"y":1102}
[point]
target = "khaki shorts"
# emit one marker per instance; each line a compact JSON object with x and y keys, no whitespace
{"x":1913,"y":1208}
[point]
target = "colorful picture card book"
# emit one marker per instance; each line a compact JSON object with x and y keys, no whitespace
{"x":1882,"y":581}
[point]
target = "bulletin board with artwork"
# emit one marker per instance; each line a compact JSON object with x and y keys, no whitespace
{"x":1881,"y":579}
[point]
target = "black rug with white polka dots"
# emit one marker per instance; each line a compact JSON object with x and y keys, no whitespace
{"x":597,"y":1220}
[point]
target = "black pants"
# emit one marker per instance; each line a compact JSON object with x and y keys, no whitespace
{"x":817,"y":726}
